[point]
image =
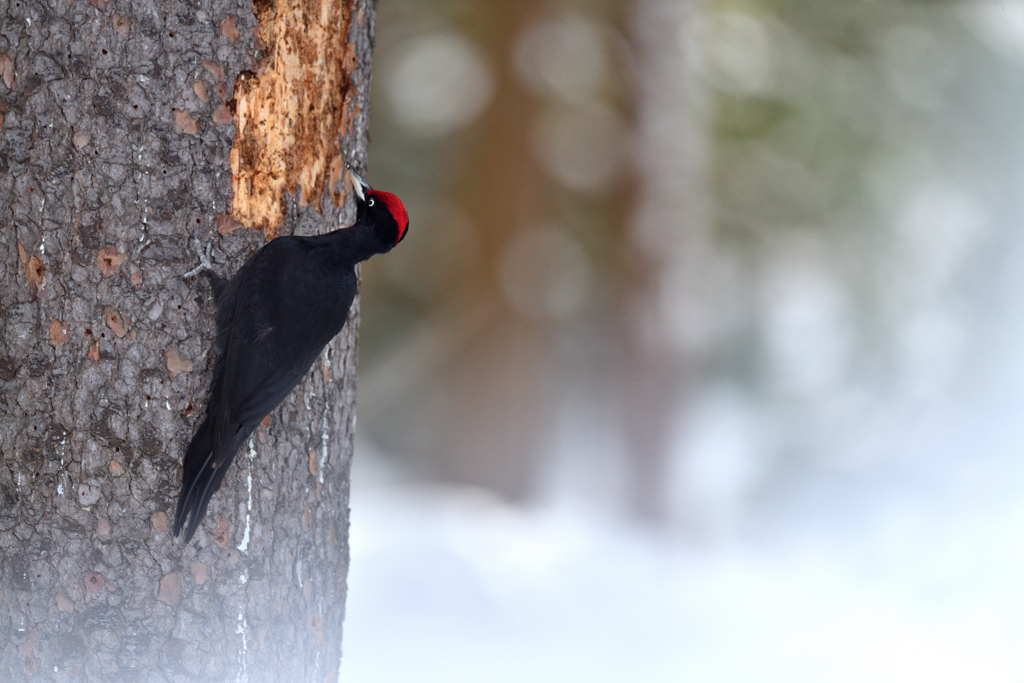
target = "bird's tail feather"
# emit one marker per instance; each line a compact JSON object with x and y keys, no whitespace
{"x":199,"y":482}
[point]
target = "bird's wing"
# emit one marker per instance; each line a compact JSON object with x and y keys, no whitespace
{"x":199,"y":481}
{"x":258,"y":371}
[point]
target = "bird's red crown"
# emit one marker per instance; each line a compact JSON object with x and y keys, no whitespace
{"x":396,"y":207}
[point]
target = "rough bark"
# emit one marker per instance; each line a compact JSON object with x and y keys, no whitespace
{"x":117,"y":143}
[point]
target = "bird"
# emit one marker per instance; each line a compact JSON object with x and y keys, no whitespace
{"x":273,"y":318}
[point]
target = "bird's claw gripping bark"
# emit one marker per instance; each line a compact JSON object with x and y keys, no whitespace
{"x":204,"y":259}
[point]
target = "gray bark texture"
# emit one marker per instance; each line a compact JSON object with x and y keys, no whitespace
{"x":115,"y":148}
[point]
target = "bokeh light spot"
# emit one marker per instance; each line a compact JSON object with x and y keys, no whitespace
{"x":440,"y":83}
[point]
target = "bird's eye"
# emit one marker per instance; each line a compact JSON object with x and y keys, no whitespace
{"x":370,"y":203}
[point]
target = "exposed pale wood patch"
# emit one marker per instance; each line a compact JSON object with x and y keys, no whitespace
{"x":109,"y":260}
{"x":58,"y":335}
{"x":35,"y":273}
{"x":289,"y":114}
{"x":117,"y":323}
{"x":175,"y":363}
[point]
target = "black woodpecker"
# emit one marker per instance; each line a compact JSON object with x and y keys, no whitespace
{"x":274,"y":317}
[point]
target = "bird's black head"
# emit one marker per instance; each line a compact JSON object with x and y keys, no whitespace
{"x":384,"y":211}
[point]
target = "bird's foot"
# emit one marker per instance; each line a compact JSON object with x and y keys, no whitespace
{"x":204,"y":259}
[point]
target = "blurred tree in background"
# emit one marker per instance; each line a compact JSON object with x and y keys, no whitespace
{"x":507,"y":124}
{"x":746,"y":270}
{"x":677,"y":256}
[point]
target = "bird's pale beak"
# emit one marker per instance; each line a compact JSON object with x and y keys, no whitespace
{"x":358,"y":185}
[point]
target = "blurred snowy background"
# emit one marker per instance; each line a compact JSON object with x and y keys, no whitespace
{"x":704,"y":358}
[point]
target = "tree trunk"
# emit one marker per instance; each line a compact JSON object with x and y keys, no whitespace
{"x":495,"y":388}
{"x":128,"y":126}
{"x":668,"y":250}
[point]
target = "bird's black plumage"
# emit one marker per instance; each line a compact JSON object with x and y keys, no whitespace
{"x":274,"y":317}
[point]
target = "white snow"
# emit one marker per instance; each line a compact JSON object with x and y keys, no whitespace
{"x":449,"y":584}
